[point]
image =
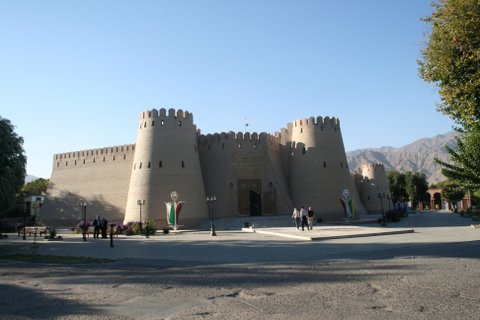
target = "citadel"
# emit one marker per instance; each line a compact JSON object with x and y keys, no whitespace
{"x":303,"y":164}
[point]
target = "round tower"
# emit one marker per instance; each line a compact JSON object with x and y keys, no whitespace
{"x":375,"y":188}
{"x":166,"y":159}
{"x":319,"y":171}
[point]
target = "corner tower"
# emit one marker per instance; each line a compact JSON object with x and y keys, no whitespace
{"x":318,"y":168}
{"x":374,"y":188}
{"x":166,"y":159}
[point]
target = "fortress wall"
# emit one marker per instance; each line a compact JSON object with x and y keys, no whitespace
{"x":318,"y":167}
{"x":374,"y":181}
{"x":166,"y":160}
{"x":278,"y":155}
{"x":228,"y":157}
{"x":98,"y":176}
{"x":216,"y":163}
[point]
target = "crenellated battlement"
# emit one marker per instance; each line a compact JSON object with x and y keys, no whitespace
{"x":239,"y":137}
{"x":373,"y":165}
{"x":107,"y":155}
{"x":121,"y":149}
{"x":166,"y":118}
{"x":327,"y":122}
{"x":166,"y":115}
{"x":322,"y":123}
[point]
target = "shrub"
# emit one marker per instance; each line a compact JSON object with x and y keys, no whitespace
{"x":395,"y":215}
{"x":151,"y":226}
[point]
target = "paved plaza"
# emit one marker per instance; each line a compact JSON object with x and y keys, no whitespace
{"x":430,"y":273}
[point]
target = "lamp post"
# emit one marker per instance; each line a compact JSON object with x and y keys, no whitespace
{"x":140,"y":204}
{"x":381,"y":196}
{"x":83,"y":207}
{"x":27,"y":206}
{"x":36,"y":206}
{"x":211,"y":207}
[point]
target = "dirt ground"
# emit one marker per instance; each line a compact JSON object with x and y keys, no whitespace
{"x":405,"y":288}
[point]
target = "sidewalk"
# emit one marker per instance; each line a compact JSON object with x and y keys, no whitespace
{"x":327,"y":232}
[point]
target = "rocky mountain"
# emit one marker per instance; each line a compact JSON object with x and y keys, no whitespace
{"x":30,"y":178}
{"x":418,"y":156}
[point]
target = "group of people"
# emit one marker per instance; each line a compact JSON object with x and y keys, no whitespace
{"x":100,"y":225}
{"x":304,"y":217}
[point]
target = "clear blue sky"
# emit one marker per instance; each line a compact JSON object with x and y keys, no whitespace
{"x":75,"y":75}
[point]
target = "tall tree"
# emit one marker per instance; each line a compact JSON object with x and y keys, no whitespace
{"x":417,"y":187}
{"x":465,"y":169}
{"x":12,"y":164}
{"x":398,"y":184}
{"x":451,"y":59}
{"x":453,"y":192}
{"x":36,"y":187}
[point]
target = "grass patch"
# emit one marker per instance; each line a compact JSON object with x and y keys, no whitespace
{"x":35,"y":258}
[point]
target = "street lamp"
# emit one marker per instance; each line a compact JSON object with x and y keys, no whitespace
{"x":83,"y":207}
{"x":27,"y":207}
{"x":140,"y":204}
{"x":381,"y":196}
{"x":36,"y":206}
{"x":211,"y":207}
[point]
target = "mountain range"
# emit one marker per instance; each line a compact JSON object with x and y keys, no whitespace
{"x":417,"y":156}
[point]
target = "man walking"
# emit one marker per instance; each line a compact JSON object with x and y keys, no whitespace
{"x":304,"y":215}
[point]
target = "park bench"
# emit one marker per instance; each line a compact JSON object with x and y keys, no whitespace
{"x":91,"y":230}
{"x":35,"y":230}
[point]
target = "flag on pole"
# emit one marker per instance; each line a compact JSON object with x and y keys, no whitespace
{"x":245,"y":123}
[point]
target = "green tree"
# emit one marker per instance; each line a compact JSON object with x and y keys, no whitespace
{"x":416,"y":187}
{"x":12,"y":164}
{"x":465,"y":166}
{"x":451,"y":59}
{"x":398,"y":184}
{"x":453,"y":193}
{"x":36,"y":187}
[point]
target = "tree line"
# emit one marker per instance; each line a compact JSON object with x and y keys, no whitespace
{"x":451,"y":61}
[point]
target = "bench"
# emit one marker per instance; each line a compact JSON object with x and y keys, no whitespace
{"x":91,"y":230}
{"x":35,"y":230}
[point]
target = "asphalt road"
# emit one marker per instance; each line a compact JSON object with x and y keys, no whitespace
{"x":430,"y":274}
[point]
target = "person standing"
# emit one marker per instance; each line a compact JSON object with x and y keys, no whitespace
{"x":296,"y":218}
{"x":310,"y":216}
{"x":303,"y":214}
{"x":96,"y":227}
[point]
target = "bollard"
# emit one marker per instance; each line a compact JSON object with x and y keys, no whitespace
{"x":111,"y":235}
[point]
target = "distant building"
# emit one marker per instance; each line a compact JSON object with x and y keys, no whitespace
{"x":249,"y":173}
